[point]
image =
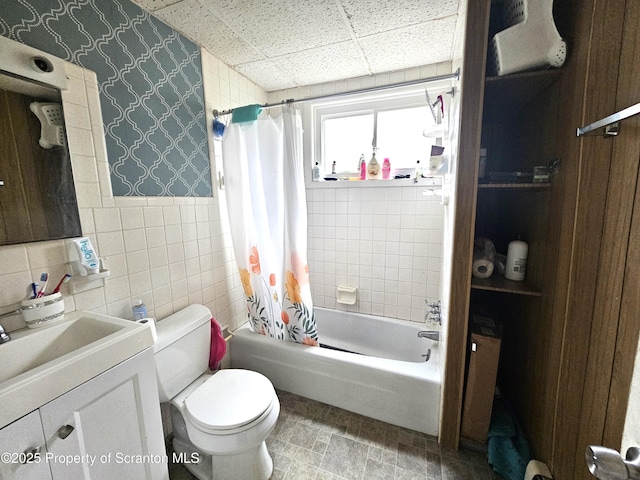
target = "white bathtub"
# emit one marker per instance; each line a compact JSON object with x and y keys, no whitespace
{"x":388,"y":379}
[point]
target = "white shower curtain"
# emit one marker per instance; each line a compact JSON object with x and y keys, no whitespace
{"x":264,"y":185}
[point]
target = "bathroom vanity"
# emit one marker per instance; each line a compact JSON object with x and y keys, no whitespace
{"x":97,"y":414}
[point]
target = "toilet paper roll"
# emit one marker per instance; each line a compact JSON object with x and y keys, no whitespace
{"x":152,"y":323}
{"x":482,"y":268}
{"x":537,"y":470}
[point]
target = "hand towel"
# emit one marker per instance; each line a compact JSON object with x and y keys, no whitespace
{"x":218,"y":345}
{"x":247,"y":113}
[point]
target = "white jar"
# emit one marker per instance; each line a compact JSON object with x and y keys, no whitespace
{"x":516,"y":260}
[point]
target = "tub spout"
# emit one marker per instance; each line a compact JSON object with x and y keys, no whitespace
{"x":430,"y":334}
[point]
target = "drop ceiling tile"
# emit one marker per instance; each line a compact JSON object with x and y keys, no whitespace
{"x":228,"y":47}
{"x":279,"y":27}
{"x":266,"y":74}
{"x":368,"y":17}
{"x":324,"y":64}
{"x":199,"y":23}
{"x":184,"y":16}
{"x":153,"y":5}
{"x":423,"y":44}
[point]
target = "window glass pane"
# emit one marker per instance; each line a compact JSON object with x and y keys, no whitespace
{"x":400,"y":136}
{"x":344,"y":140}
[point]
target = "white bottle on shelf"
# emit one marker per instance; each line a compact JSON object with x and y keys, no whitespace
{"x":516,"y":260}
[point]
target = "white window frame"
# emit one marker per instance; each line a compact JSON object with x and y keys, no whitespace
{"x":313,"y":113}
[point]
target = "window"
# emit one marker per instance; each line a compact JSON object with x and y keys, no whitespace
{"x":344,"y":139}
{"x":401,"y":124}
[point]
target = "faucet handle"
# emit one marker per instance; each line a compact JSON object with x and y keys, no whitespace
{"x":4,"y":337}
{"x":433,"y":305}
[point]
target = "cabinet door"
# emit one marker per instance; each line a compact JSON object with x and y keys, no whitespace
{"x":109,"y":427}
{"x":19,"y":441}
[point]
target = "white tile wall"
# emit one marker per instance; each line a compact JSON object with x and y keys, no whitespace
{"x":169,"y":252}
{"x":385,"y":241}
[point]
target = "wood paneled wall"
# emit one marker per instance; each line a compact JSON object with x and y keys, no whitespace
{"x":578,"y":342}
{"x":472,"y":86}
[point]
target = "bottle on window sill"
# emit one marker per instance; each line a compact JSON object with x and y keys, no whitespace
{"x":315,"y":173}
{"x":363,"y":168}
{"x":373,"y":169}
{"x":386,"y":169}
{"x":333,"y":168}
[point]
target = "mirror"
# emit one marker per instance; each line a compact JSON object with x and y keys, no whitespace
{"x":37,"y":193}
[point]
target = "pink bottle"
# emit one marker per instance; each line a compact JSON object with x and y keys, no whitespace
{"x":386,"y":169}
{"x":363,"y":168}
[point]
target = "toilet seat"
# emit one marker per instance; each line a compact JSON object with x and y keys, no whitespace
{"x":230,"y":400}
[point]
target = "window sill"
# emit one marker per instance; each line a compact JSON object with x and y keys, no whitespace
{"x":434,"y":181}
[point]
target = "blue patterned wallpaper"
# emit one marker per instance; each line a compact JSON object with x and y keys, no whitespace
{"x":150,"y":81}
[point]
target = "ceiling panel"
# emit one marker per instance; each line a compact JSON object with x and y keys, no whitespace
{"x":422,"y":44}
{"x":203,"y":27}
{"x":368,"y":17}
{"x":267,"y":75}
{"x":324,"y":64}
{"x":282,"y":44}
{"x":279,"y":27}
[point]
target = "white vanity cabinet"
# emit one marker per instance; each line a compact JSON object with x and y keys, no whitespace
{"x":20,"y":441}
{"x":107,"y":428}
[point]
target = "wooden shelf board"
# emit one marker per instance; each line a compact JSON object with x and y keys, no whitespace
{"x":522,"y":86}
{"x":497,"y":283}
{"x":515,"y":185}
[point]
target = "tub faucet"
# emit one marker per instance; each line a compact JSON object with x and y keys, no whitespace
{"x":4,"y":337}
{"x":430,"y":334}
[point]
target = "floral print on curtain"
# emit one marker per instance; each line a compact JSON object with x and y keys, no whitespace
{"x":290,"y":320}
{"x":265,"y":191}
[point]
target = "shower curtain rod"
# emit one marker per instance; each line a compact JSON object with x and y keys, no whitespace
{"x":290,"y":101}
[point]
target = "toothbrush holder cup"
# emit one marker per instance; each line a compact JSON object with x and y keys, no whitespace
{"x":39,"y":312}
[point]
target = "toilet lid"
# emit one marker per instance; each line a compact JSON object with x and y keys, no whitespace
{"x":229,"y":399}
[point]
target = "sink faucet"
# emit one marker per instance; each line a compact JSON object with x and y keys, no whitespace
{"x":430,"y":334}
{"x":4,"y":337}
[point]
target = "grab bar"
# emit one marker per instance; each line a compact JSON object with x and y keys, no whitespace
{"x":611,"y":122}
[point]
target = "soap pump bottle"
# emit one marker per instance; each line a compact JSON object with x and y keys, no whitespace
{"x":373,"y":169}
{"x":363,"y":168}
{"x":386,"y":169}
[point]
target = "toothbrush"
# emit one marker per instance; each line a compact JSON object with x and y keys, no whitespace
{"x":43,"y":278}
{"x":65,"y":279}
{"x":34,"y":287}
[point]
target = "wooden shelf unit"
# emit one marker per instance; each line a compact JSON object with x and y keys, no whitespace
{"x":498,"y":283}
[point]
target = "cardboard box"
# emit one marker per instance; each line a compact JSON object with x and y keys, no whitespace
{"x":481,"y":379}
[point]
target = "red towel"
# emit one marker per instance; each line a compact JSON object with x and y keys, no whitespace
{"x":218,"y":345}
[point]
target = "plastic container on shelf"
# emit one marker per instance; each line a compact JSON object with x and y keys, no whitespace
{"x":530,"y":41}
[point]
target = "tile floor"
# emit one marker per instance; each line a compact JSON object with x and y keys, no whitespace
{"x":315,"y":441}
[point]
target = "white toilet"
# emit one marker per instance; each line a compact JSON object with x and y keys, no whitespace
{"x":221,"y":421}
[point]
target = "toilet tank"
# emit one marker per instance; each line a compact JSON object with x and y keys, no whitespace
{"x":181,"y":352}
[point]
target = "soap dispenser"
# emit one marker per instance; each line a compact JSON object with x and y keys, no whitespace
{"x":373,"y":169}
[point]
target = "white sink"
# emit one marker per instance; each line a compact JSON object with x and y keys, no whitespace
{"x":38,"y":365}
